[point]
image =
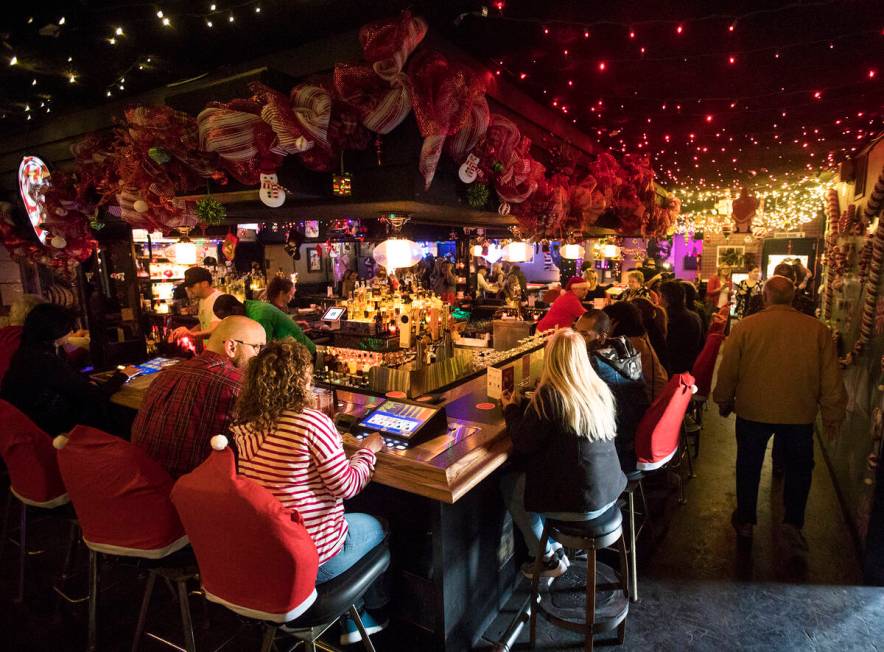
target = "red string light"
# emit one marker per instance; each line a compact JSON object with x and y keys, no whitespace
{"x":602,"y":66}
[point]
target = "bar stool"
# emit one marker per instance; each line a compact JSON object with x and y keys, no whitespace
{"x":257,"y":559}
{"x":121,"y":497}
{"x":34,"y":479}
{"x":592,"y":536}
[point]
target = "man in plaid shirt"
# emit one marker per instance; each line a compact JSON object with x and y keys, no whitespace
{"x":188,"y":404}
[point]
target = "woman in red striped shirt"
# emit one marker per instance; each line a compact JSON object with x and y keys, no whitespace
{"x":296,"y":452}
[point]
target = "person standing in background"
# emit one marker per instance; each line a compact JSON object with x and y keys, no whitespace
{"x":684,"y":338}
{"x":746,"y":289}
{"x":635,"y":287}
{"x":778,"y":370}
{"x":718,"y":289}
{"x":280,"y":292}
{"x":198,"y":283}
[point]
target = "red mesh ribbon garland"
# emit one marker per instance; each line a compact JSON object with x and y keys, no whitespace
{"x":276,"y":111}
{"x":504,"y":157}
{"x":95,"y":161}
{"x":379,"y":92}
{"x":311,"y":106}
{"x":463,"y":142}
{"x":241,"y":139}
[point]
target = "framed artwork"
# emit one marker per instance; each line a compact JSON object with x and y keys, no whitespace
{"x":311,"y":229}
{"x":314,"y":260}
{"x":730,"y":255}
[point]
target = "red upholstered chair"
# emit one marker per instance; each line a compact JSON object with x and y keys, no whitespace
{"x":121,"y":497}
{"x":257,"y":559}
{"x":34,"y":480}
{"x":658,"y":438}
{"x":704,"y":368}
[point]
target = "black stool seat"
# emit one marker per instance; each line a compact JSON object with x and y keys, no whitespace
{"x":634,"y":475}
{"x":336,"y":596}
{"x":598,"y":527}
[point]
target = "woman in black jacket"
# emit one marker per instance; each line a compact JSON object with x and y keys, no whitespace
{"x":565,"y":464}
{"x":42,"y":384}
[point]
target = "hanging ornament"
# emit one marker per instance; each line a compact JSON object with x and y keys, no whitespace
{"x":477,"y":195}
{"x":228,"y":246}
{"x":58,"y":242}
{"x":341,"y":185}
{"x":140,"y":206}
{"x":211,"y":211}
{"x":293,"y":244}
{"x":159,"y":155}
{"x":504,"y":208}
{"x":470,"y":169}
{"x":271,"y":193}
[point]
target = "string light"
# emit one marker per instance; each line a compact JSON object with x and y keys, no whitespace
{"x":61,"y":21}
{"x":166,"y":22}
{"x":13,"y":61}
{"x":118,"y":31}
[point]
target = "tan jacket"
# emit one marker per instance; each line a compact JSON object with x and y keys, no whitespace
{"x":780,"y":366}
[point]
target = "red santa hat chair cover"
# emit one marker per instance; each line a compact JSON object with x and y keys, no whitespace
{"x":658,"y":434}
{"x":121,"y":495}
{"x":704,"y":365}
{"x":34,"y":478}
{"x":33,"y":470}
{"x":255,"y":556}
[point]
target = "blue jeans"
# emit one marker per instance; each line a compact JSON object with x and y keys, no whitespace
{"x":365,"y":532}
{"x":530,"y":524}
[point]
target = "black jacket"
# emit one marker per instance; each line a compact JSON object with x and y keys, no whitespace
{"x":564,"y":472}
{"x":620,"y":366}
{"x":54,"y":395}
{"x":683,"y":341}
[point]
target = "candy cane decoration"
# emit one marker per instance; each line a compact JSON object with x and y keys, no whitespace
{"x":831,"y":244}
{"x":867,"y":325}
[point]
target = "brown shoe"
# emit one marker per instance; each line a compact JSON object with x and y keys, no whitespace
{"x":743,"y":530}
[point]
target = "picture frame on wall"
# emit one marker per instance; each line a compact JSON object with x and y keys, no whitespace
{"x":311,"y":229}
{"x":730,"y":255}
{"x":314,"y":259}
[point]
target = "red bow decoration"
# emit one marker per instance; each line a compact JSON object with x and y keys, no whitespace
{"x":379,"y":93}
{"x":236,"y":133}
{"x":443,"y":93}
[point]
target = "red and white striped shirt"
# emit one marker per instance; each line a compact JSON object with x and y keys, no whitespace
{"x":302,"y":462}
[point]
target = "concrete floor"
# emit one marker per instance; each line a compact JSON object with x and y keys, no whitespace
{"x":698,"y":591}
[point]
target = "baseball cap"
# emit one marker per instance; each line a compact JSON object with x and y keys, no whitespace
{"x":194,"y":275}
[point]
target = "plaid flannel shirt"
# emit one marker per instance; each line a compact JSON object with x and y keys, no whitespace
{"x":185,"y":406}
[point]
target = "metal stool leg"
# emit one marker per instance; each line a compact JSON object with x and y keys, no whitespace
{"x":646,"y":514}
{"x":93,"y":600}
{"x":624,"y":584}
{"x":366,"y":640}
{"x":186,"y":622}
{"x":6,"y":523}
{"x":633,"y":553}
{"x":687,"y":452}
{"x":269,"y":635}
{"x":590,"y":598}
{"x":535,"y":583}
{"x":22,"y":553}
{"x":142,"y":615}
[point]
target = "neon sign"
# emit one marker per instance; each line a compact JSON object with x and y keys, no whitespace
{"x":33,"y":176}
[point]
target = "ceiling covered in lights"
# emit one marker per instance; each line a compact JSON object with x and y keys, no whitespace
{"x":716,"y":92}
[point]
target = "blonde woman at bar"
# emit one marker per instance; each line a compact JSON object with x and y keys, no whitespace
{"x":564,"y":463}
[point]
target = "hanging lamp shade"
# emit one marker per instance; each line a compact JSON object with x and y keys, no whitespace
{"x":572,"y":251}
{"x":611,"y":251}
{"x":397,"y":253}
{"x":185,"y":253}
{"x":476,"y":250}
{"x":518,"y":251}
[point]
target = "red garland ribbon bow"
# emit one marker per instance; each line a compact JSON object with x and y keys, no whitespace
{"x":378,"y":92}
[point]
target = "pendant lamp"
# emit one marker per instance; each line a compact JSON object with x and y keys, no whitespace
{"x":396,"y":252}
{"x":185,"y":250}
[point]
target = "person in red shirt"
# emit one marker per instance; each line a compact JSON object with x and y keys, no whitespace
{"x":567,"y":308}
{"x":191,"y":402}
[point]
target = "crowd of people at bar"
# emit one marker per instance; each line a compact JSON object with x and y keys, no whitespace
{"x":572,"y":435}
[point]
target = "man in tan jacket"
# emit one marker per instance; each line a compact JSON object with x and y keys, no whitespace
{"x":779,"y":368}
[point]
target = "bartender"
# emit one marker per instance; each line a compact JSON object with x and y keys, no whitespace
{"x":567,"y":307}
{"x":595,"y":290}
{"x":198,"y":283}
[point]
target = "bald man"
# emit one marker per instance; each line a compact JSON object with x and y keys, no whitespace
{"x":779,"y":368}
{"x":188,"y":404}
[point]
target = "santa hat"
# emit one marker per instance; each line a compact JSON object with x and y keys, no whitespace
{"x":576,"y":281}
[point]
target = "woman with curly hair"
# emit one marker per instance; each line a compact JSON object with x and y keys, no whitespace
{"x":296,"y":452}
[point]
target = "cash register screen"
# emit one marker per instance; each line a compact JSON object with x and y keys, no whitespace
{"x":333,"y":314}
{"x":400,"y":419}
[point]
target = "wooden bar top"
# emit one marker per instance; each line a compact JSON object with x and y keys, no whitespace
{"x":444,"y":468}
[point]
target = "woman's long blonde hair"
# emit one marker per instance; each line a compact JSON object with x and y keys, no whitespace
{"x":277,"y":379}
{"x":574,"y":393}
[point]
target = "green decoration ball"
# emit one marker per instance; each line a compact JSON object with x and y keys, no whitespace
{"x":159,"y":155}
{"x":211,"y":211}
{"x":477,"y":195}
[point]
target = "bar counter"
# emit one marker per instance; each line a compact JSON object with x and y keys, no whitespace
{"x":453,"y":546}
